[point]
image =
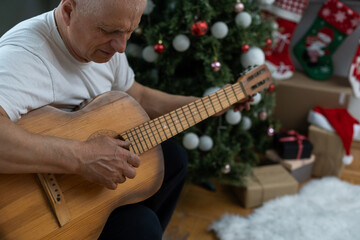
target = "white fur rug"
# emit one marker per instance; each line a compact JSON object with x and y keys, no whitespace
{"x":324,"y":209}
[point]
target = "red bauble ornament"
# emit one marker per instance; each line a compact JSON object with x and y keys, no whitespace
{"x":216,"y":65}
{"x":239,"y":7}
{"x":159,"y":47}
{"x":199,"y":28}
{"x":245,"y":48}
{"x":271,"y":88}
{"x":268,"y":42}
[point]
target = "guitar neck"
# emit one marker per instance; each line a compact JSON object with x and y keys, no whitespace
{"x":158,"y":130}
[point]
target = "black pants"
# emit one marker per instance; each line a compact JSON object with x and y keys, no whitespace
{"x":148,"y":219}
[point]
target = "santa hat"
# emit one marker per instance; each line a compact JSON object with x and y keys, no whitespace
{"x":341,"y":121}
{"x":326,"y":35}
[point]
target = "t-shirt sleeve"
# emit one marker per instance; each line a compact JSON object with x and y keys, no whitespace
{"x":124,"y":75}
{"x":25,"y":82}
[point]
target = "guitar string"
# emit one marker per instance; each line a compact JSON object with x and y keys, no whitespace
{"x":222,"y":96}
{"x":148,"y":138}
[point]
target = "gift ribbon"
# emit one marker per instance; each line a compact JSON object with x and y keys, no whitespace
{"x":296,"y":137}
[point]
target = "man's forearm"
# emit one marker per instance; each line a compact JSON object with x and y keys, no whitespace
{"x":24,"y":152}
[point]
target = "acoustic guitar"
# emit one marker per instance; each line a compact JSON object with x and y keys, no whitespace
{"x":78,"y":209}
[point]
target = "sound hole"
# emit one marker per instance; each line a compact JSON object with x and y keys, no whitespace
{"x":105,"y":132}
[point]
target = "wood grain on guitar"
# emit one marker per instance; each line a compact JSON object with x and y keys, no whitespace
{"x":24,"y":208}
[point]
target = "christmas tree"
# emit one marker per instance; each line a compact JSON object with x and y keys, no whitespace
{"x":194,"y":48}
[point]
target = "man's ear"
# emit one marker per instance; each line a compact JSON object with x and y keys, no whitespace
{"x":67,"y":7}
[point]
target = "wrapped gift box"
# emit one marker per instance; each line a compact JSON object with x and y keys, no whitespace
{"x":300,"y":169}
{"x":265,"y":183}
{"x":292,"y":146}
{"x":329,"y":151}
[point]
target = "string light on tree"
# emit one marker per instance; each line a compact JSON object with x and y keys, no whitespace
{"x":270,"y":131}
{"x":216,"y":65}
{"x":239,"y":6}
{"x":243,"y":19}
{"x":205,"y":143}
{"x":159,"y":47}
{"x":254,"y":57}
{"x":149,"y":54}
{"x":181,"y":43}
{"x":219,"y":30}
{"x":190,"y":141}
{"x":199,"y":28}
{"x":232,"y":117}
{"x":226,"y":169}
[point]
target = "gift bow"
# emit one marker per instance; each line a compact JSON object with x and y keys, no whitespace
{"x":295,"y":137}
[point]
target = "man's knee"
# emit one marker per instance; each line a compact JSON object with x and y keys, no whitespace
{"x":132,"y":222}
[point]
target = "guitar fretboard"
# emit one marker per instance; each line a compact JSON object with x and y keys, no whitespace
{"x":156,"y":131}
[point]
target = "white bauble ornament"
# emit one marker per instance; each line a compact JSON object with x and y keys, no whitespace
{"x":219,"y":30}
{"x":232,"y":117}
{"x":243,"y":19}
{"x":266,"y":2}
{"x":256,"y":99}
{"x":149,"y":7}
{"x":190,"y":141}
{"x":211,"y":90}
{"x":181,"y":43}
{"x":206,"y":143}
{"x":255,"y":56}
{"x":133,"y":50}
{"x":245,"y":123}
{"x":149,"y":54}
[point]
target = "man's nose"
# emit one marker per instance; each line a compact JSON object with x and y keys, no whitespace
{"x":119,"y":44}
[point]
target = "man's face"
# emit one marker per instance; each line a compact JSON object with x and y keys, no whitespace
{"x":97,"y":37}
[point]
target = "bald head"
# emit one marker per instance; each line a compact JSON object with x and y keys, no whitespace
{"x":96,"y":6}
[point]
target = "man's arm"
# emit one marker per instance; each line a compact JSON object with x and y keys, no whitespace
{"x":102,"y":160}
{"x":155,"y":102}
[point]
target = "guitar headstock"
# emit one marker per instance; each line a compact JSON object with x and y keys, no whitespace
{"x":255,"y":80}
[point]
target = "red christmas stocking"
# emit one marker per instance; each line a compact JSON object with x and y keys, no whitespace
{"x":354,"y":73}
{"x":335,"y":21}
{"x":288,"y":14}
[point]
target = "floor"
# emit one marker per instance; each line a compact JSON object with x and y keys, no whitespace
{"x":199,"y":207}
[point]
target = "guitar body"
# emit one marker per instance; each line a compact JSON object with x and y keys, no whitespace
{"x":25,"y":212}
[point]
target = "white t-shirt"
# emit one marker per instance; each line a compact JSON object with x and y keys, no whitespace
{"x":36,"y":69}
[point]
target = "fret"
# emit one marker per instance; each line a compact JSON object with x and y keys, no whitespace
{"x":180,"y":120}
{"x":232,"y":88}
{"x":144,"y":139}
{"x":177,"y":121}
{"x":152,"y":134}
{"x":161,"y":127}
{"x":212,"y":104}
{"x":227,"y":97}
{"x":137,"y":135}
{"x":182,"y":109}
{"x":134,"y":141}
{"x":173,"y":122}
{"x":157,"y":130}
{"x":205,"y":107}
{"x":217,"y":95}
{"x":168,"y":125}
{"x":198,"y":110}
{"x":192,"y":115}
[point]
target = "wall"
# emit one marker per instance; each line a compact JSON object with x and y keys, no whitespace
{"x":343,"y":56}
